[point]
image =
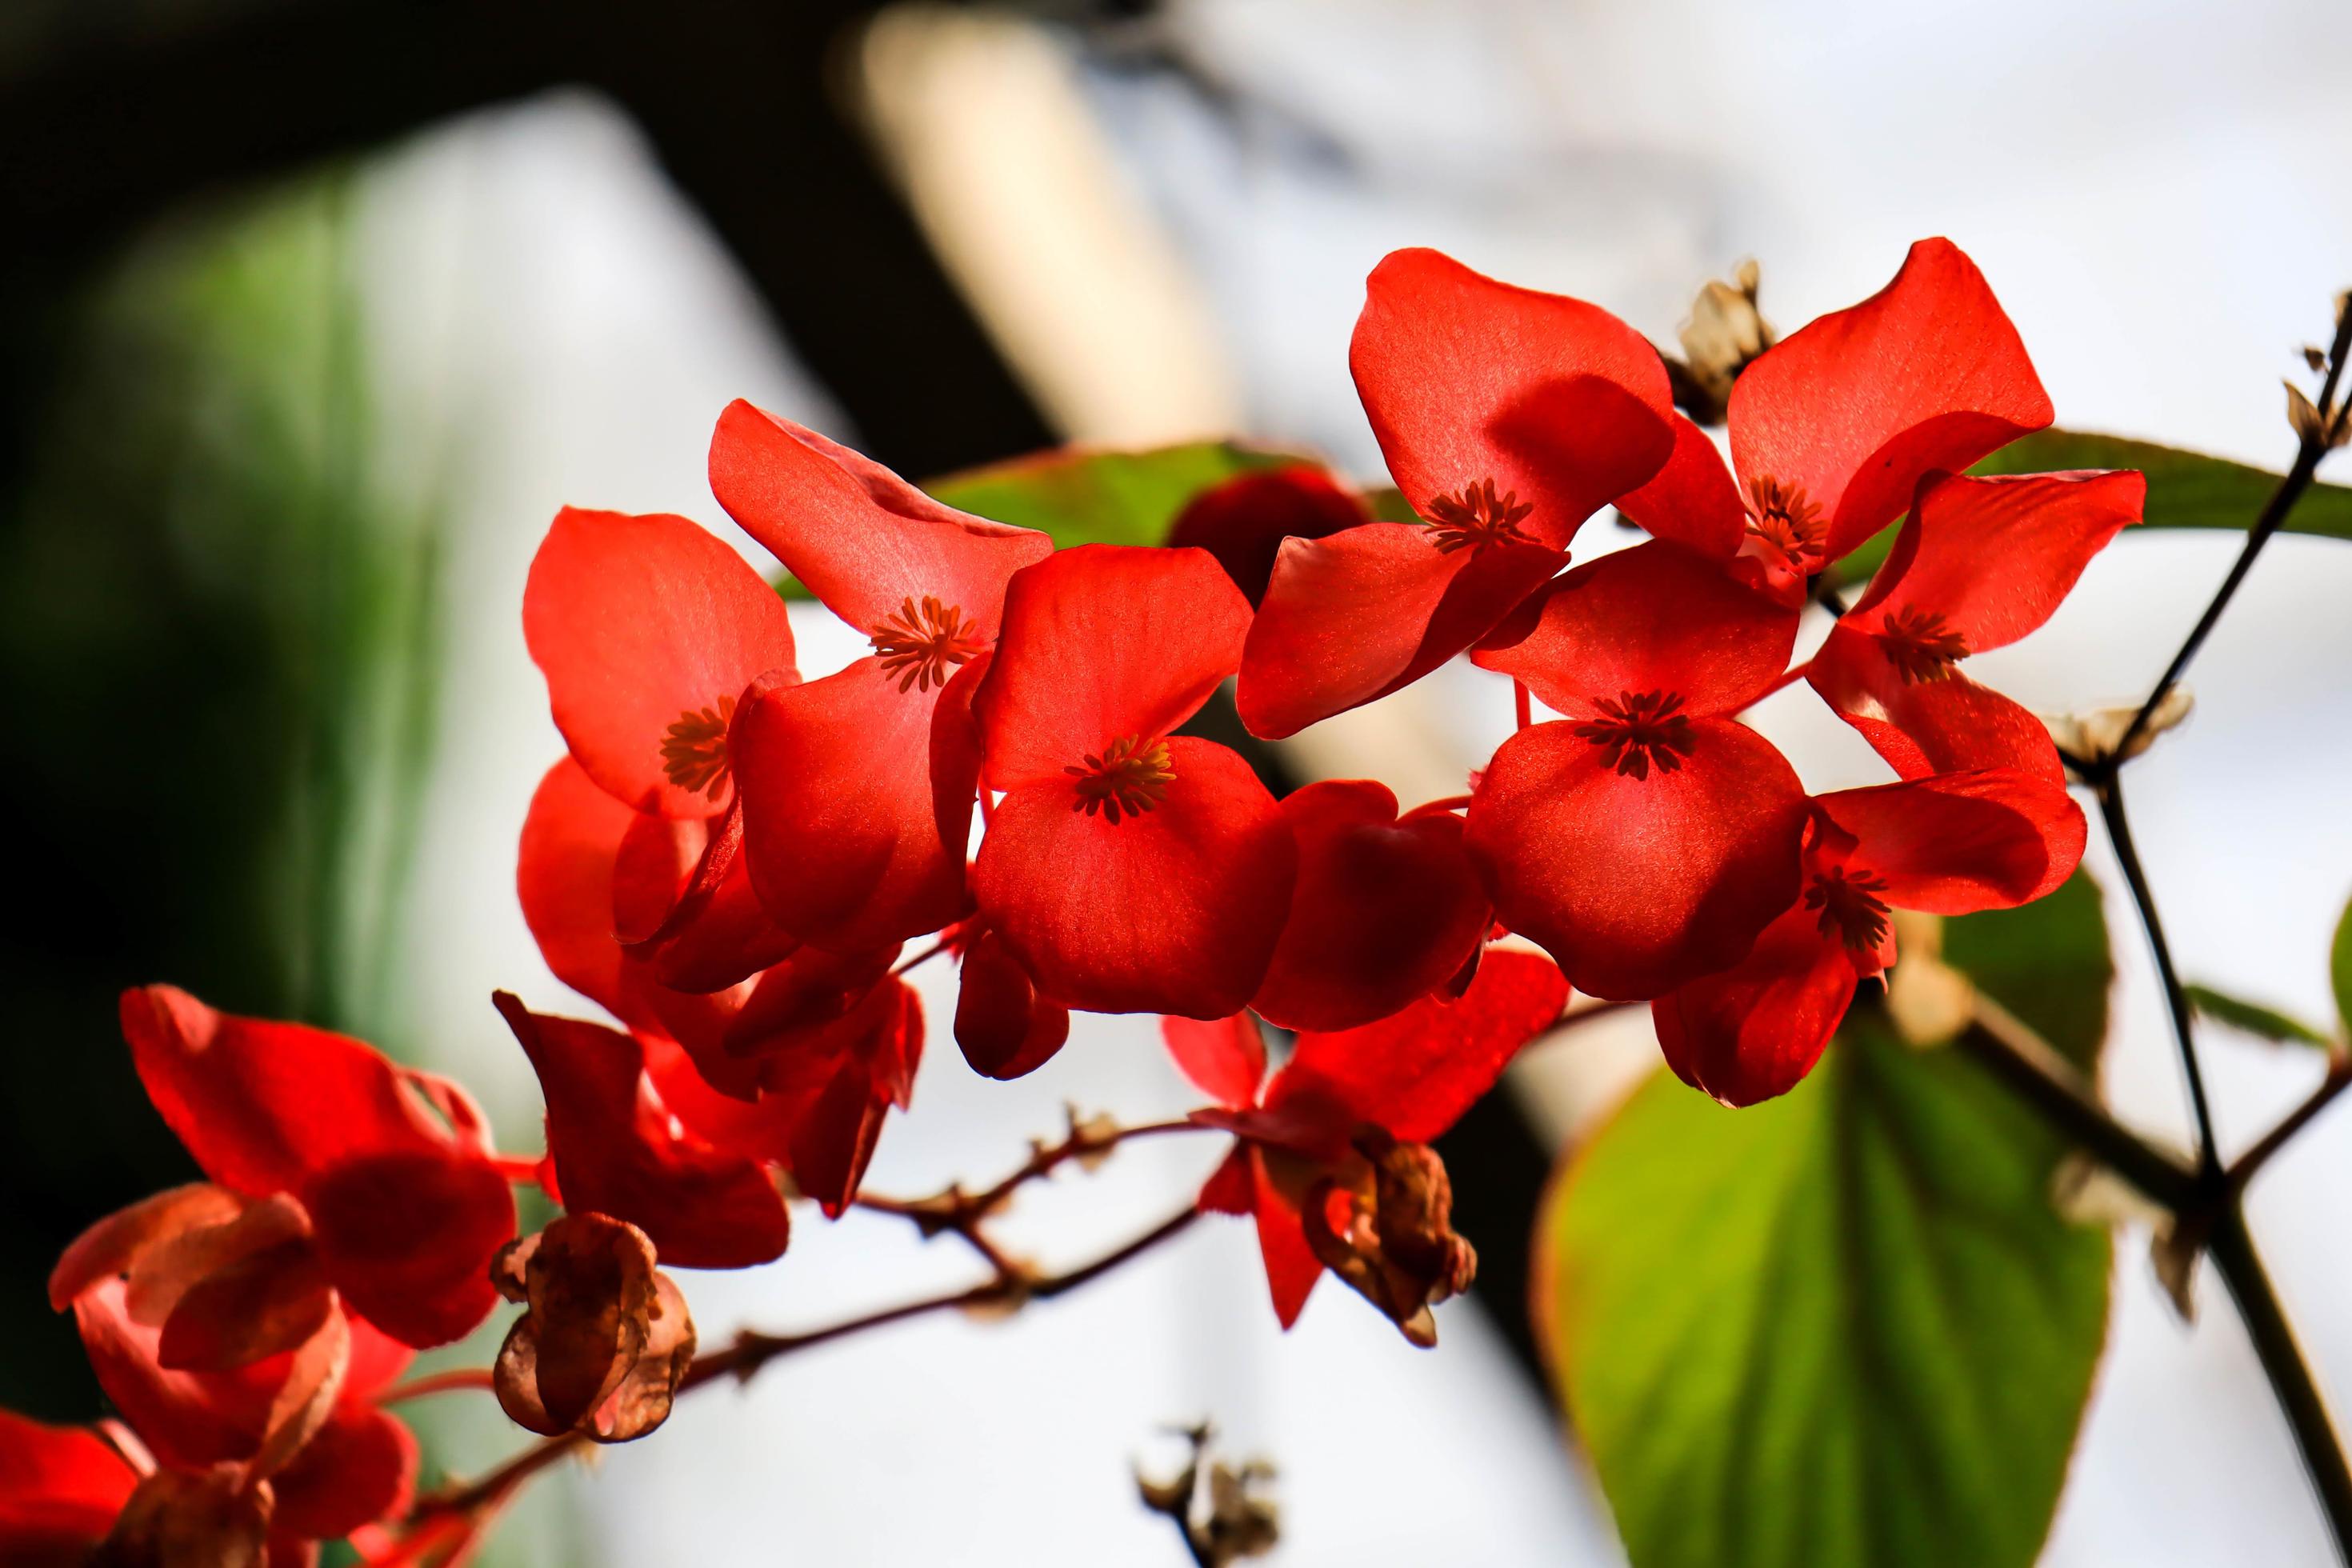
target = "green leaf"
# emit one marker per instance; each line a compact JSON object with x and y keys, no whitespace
{"x":2253,"y":1017}
{"x":2184,"y":489}
{"x":1846,"y":1327}
{"x":2339,"y":968}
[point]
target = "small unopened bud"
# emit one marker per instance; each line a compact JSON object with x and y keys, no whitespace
{"x":2093,"y":734}
{"x":606,"y":1339}
{"x":2304,"y":418}
{"x":1928,"y":1000}
{"x":1724,"y":335}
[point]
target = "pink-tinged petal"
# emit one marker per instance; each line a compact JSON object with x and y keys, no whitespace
{"x":861,"y":538}
{"x":641,"y":623}
{"x":1004,"y":1027}
{"x":1103,"y":642}
{"x":1414,"y":1074}
{"x":1353,"y":617}
{"x":263,"y":1106}
{"x":359,"y":1468}
{"x":618,"y":1152}
{"x":1693,"y":502}
{"x":407,"y":1238}
{"x":1655,"y":619}
{"x":1986,"y":561}
{"x":114,"y":1244}
{"x":1384,"y":910}
{"x":1173,"y":911}
{"x":1943,"y":724}
{"x":1244,"y":521}
{"x":190,"y":1420}
{"x":1927,"y":373}
{"x":1636,"y":885}
{"x":60,"y":1487}
{"x":1467,"y":380}
{"x":839,"y":823}
{"x":1751,"y":1032}
{"x":1224,"y":1058}
{"x":1952,"y":844}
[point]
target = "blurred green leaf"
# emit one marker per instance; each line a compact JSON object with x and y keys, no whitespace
{"x":2184,"y":489}
{"x":1846,"y":1327}
{"x":1086,"y":496}
{"x":2253,"y":1017}
{"x":2340,"y":967}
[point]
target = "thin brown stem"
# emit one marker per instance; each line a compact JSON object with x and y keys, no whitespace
{"x":2338,"y":1079}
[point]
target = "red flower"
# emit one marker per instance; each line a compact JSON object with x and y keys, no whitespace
{"x":1304,"y":1141}
{"x":1949,"y":844}
{"x":1507,"y":417}
{"x":1834,"y":427}
{"x":60,"y":1489}
{"x":1979,"y":565}
{"x":1384,"y":910}
{"x":796,"y":1064}
{"x":1648,"y":836}
{"x":1127,"y":868}
{"x":848,"y":846}
{"x":1244,"y":521}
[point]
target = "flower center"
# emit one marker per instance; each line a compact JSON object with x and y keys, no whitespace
{"x":1779,"y":515}
{"x":1477,"y":518}
{"x":694,"y":749}
{"x":1129,"y":778}
{"x":1850,"y":906}
{"x":921,"y":643}
{"x":1641,"y":731}
{"x":1919,"y":645}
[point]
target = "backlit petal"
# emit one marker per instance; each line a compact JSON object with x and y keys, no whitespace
{"x":1751,"y":1032}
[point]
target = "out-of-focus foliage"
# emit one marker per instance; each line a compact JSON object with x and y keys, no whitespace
{"x":2339,"y":968}
{"x":2253,"y":1017}
{"x":1846,"y":1327}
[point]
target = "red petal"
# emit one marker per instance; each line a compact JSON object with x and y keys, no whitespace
{"x":264,"y":1107}
{"x":1930,"y":726}
{"x":839,"y":824}
{"x":1176,"y":910}
{"x":408,"y":1237}
{"x":1291,"y":1265}
{"x":190,"y":1420}
{"x":1993,"y":558}
{"x":618,"y":1152}
{"x":1467,"y":380}
{"x":1952,"y":844}
{"x":1637,"y":885}
{"x":637,"y":622}
{"x":564,"y":874}
{"x":252,"y":1306}
{"x":1244,"y":521}
{"x":840,"y":1086}
{"x":955,"y":755}
{"x":65,"y":1479}
{"x":861,"y":538}
{"x":1383,"y":911}
{"x":1751,"y":1031}
{"x":1653,"y":618}
{"x":359,"y":1468}
{"x":1232,"y":1187}
{"x":1005,"y":1029}
{"x":1693,"y":500}
{"x":113,"y":1244}
{"x":1224,"y":1058}
{"x":1413,"y":1075}
{"x":1360,"y":615}
{"x":1102,"y":642}
{"x":1926,"y":374}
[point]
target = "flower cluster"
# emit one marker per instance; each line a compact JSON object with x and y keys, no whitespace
{"x":732,"y":861}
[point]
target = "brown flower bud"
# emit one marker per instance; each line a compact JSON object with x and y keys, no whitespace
{"x":1724,"y":335}
{"x":1394,"y":1244}
{"x":606,"y":1337}
{"x":175,"y":1520}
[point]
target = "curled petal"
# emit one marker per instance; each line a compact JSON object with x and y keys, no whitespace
{"x":1952,"y":844}
{"x":1467,"y":380}
{"x":618,"y":1150}
{"x":1693,"y":500}
{"x":1224,"y":1058}
{"x":189,"y":1419}
{"x":407,"y":1238}
{"x":1927,"y":373}
{"x":1748,"y":1033}
{"x":861,"y":538}
{"x":1413,"y":1075}
{"x":832,"y":1089}
{"x":641,"y":624}
{"x":1388,"y":1233}
{"x":1244,"y":521}
{"x":1364,"y":613}
{"x":1005,"y":1029}
{"x":1946,"y":724}
{"x":1637,"y":884}
{"x":1991,"y":559}
{"x":1101,"y":643}
{"x":1176,"y":909}
{"x":1656,"y":618}
{"x":840,"y":827}
{"x":115,"y":1243}
{"x":266,"y":1301}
